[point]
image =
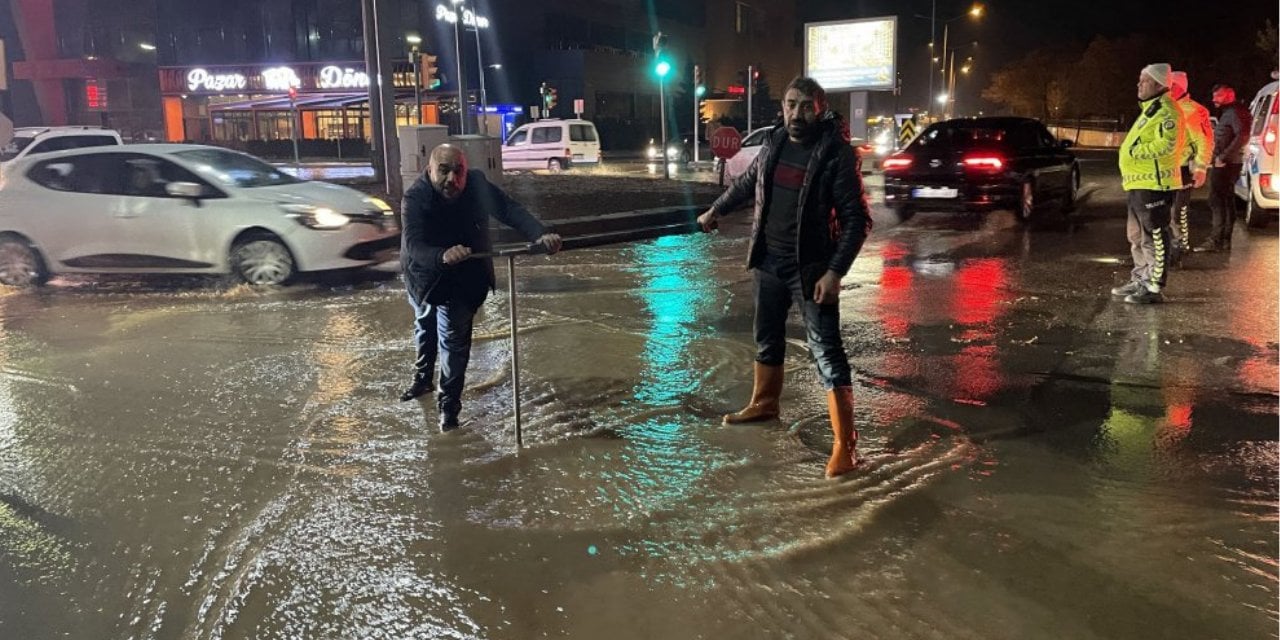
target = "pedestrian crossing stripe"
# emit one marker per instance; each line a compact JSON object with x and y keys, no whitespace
{"x":907,"y":133}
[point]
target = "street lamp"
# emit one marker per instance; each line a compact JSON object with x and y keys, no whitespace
{"x":416,"y":58}
{"x":976,"y":11}
{"x":146,"y":46}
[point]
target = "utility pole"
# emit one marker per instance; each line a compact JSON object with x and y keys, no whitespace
{"x":751,"y":70}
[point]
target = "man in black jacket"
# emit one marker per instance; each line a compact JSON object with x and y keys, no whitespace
{"x":1229,"y":139}
{"x":811,"y":218}
{"x":446,"y":219}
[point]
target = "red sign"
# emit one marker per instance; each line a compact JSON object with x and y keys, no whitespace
{"x":95,"y":96}
{"x":725,"y":142}
{"x":737,"y":90}
{"x":579,"y":105}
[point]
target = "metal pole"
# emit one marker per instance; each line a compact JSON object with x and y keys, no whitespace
{"x":951,"y":88}
{"x":293,"y":130}
{"x":662,"y":112}
{"x":942,"y":73}
{"x":933,"y":48}
{"x":463,"y":106}
{"x":417,"y":82}
{"x":376,"y":131}
{"x":696,"y":113}
{"x":484,"y":100}
{"x":515,"y":349}
{"x":750,"y":91}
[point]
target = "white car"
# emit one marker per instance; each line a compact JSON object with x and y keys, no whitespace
{"x":165,"y":208}
{"x":1257,"y":184}
{"x":30,"y":140}
{"x":737,"y":165}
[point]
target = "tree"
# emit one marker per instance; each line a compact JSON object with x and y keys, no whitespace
{"x":1024,"y":87}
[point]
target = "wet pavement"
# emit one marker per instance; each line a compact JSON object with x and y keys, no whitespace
{"x":180,"y":460}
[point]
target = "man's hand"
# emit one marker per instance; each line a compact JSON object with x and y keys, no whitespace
{"x":709,"y":221}
{"x":1198,"y":178}
{"x":551,"y":241}
{"x":455,"y":254}
{"x":827,"y":291}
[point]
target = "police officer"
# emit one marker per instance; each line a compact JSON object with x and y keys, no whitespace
{"x":1195,"y":166}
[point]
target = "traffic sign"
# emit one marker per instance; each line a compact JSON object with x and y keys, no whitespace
{"x":579,"y":105}
{"x":725,"y":142}
{"x":907,"y":133}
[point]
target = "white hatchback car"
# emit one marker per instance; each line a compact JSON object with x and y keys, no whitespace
{"x":31,"y":140}
{"x":180,"y":209}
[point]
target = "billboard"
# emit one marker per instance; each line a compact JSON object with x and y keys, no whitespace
{"x":852,"y":55}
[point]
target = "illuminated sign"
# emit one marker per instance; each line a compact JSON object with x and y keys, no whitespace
{"x":95,"y":96}
{"x":469,"y":17}
{"x":333,"y":77}
{"x":199,"y":79}
{"x":280,"y":79}
{"x":852,"y":55}
{"x":736,"y":90}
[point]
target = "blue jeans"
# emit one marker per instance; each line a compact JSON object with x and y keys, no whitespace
{"x":444,"y":327}
{"x":777,"y":285}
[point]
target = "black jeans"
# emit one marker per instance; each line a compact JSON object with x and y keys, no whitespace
{"x":777,"y":285}
{"x":444,"y":327}
{"x":1222,"y":201}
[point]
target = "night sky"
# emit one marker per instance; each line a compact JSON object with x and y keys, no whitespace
{"x":1012,"y":28}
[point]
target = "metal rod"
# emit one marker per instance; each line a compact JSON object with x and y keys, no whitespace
{"x":463,"y":104}
{"x":662,"y":112}
{"x":515,"y":349}
{"x":484,"y":100}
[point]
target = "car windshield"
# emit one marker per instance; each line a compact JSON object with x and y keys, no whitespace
{"x":235,"y":169}
{"x":15,"y":147}
{"x":950,"y":135}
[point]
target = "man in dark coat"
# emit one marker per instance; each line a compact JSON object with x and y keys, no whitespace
{"x":811,"y":218}
{"x":446,"y":219}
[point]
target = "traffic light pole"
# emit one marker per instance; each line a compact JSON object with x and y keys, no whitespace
{"x":696,"y":114}
{"x":750,"y":90}
{"x":662,"y":112}
{"x":417,"y":82}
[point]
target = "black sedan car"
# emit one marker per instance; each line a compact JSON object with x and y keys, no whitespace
{"x":980,"y":164}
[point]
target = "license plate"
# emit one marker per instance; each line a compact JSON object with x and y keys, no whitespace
{"x":578,"y":156}
{"x":935,"y":192}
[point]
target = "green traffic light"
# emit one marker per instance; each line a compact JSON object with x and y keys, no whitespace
{"x":700,"y":91}
{"x":663,"y":68}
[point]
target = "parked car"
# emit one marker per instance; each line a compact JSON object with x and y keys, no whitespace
{"x":552,"y":144}
{"x":737,"y":165}
{"x":980,"y":164}
{"x":29,"y":140}
{"x":180,"y":209}
{"x":1257,"y":183}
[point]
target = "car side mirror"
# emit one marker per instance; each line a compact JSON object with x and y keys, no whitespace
{"x":1066,"y":144}
{"x":188,"y":190}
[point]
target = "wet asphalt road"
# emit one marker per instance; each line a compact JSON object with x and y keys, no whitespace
{"x":180,"y":460}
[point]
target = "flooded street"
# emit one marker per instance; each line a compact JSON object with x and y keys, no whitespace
{"x":1041,"y":460}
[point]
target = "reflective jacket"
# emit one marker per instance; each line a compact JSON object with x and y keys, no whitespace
{"x":1199,"y":148}
{"x":1152,"y":152}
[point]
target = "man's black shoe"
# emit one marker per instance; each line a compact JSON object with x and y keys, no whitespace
{"x":421,"y":384}
{"x":448,"y":421}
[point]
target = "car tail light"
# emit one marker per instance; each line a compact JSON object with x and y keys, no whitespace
{"x":1264,"y":181}
{"x":984,"y":163}
{"x":1269,"y":138}
{"x":896,"y":163}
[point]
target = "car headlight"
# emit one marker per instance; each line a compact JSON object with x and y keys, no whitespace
{"x":673,"y":152}
{"x":379,"y":204}
{"x":316,"y":217}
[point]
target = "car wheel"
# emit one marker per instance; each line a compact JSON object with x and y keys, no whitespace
{"x":1254,"y":216}
{"x":555,"y":165}
{"x":20,"y":264}
{"x":1073,"y":192}
{"x":1026,"y":201}
{"x":262,"y":261}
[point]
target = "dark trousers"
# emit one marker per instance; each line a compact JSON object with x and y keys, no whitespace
{"x":777,"y":285}
{"x":1149,"y":236}
{"x":1222,"y":201}
{"x":1180,"y":225}
{"x":444,"y":327}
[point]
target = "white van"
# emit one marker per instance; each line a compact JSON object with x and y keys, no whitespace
{"x":1257,"y":184}
{"x":552,"y":144}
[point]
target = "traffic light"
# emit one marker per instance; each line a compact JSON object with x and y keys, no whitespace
{"x":705,"y":112}
{"x":661,"y":66}
{"x":698,"y":87}
{"x":553,"y":98}
{"x":427,"y":65}
{"x":293,"y":94}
